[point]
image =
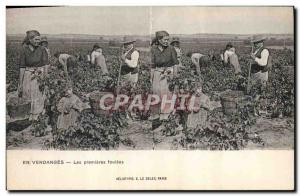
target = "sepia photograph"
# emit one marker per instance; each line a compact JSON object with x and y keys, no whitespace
{"x":149,"y":78}
{"x":90,"y":81}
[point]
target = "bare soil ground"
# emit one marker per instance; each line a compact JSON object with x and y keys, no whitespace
{"x":276,"y":133}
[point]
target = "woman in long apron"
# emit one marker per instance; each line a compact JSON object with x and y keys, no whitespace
{"x":33,"y":61}
{"x":163,"y":60}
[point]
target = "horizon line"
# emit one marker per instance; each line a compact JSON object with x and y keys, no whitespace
{"x":154,"y":33}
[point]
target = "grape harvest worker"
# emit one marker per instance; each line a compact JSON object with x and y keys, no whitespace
{"x":198,"y":115}
{"x":163,"y":60}
{"x":230,"y":57}
{"x":262,"y":61}
{"x":129,"y":66}
{"x":176,"y":44}
{"x":44,"y":43}
{"x":198,"y":60}
{"x":98,"y":59}
{"x":33,"y":60}
{"x":68,"y":62}
{"x":69,"y":107}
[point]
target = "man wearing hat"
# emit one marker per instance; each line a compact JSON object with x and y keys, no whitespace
{"x":44,"y":43}
{"x":176,"y":44}
{"x":98,"y":59}
{"x":260,"y":67}
{"x":262,"y":61}
{"x":129,"y":65}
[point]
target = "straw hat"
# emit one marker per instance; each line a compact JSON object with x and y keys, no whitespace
{"x":257,"y":38}
{"x":44,"y":39}
{"x":127,"y":40}
{"x":175,"y":39}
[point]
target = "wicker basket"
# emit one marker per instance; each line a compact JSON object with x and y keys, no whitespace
{"x":95,"y":103}
{"x":18,"y":108}
{"x":230,"y":101}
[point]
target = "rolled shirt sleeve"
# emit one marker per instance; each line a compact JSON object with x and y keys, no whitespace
{"x":195,"y":59}
{"x":93,"y":57}
{"x":63,"y":59}
{"x":102,"y":64}
{"x":226,"y":56}
{"x":134,"y":59}
{"x":222,"y":57}
{"x":263,"y":61}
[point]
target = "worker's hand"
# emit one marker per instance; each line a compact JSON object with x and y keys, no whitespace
{"x":38,"y":72}
{"x":67,"y":108}
{"x":123,"y":57}
{"x":67,"y":111}
{"x":253,"y":56}
{"x":168,"y":72}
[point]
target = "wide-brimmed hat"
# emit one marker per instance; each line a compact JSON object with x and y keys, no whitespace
{"x":44,"y":39}
{"x":96,"y":46}
{"x":257,"y":38}
{"x":128,"y":40}
{"x":175,"y":39}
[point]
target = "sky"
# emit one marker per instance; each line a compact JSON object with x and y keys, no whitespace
{"x":224,"y":20}
{"x":145,"y":20}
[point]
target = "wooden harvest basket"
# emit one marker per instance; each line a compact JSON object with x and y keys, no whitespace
{"x":95,"y":103}
{"x":230,"y":101}
{"x":18,"y":108}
